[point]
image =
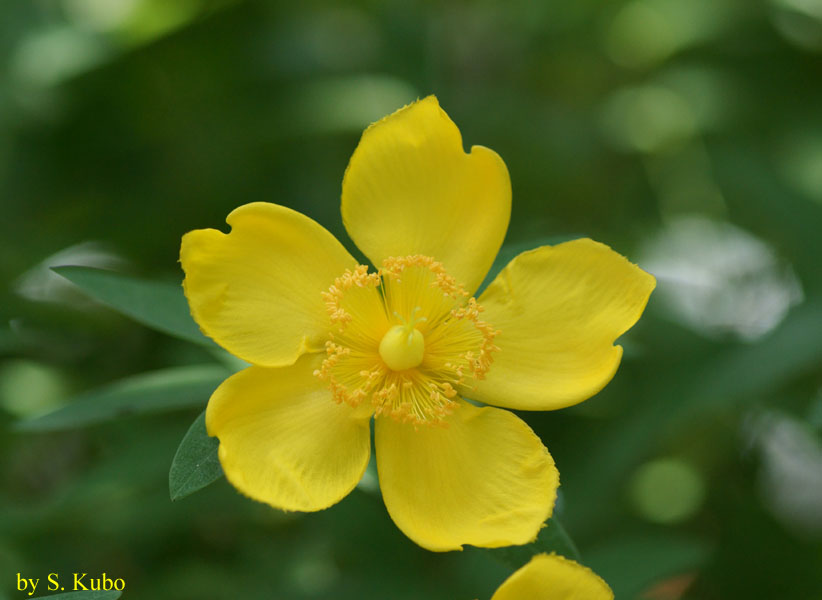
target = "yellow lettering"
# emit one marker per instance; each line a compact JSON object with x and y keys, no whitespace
{"x":53,"y":582}
{"x":78,"y":582}
{"x":24,"y":583}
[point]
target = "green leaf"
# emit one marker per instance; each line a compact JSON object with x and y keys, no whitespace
{"x":158,"y":391}
{"x":161,"y":306}
{"x":195,"y":464}
{"x":85,"y":595}
{"x":633,"y":563}
{"x":551,"y":538}
{"x":727,"y":380}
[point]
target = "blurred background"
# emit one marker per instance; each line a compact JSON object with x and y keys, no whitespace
{"x":686,"y":134}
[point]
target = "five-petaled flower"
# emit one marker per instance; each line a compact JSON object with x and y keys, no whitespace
{"x":553,"y":577}
{"x":332,"y":344}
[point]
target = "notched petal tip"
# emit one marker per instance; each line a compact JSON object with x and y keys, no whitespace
{"x":411,"y":188}
{"x":561,"y":309}
{"x":256,"y":290}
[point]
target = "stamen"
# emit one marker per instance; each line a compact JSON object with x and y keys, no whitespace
{"x":411,"y":371}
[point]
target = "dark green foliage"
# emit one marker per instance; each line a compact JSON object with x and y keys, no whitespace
{"x":195,"y":464}
{"x":157,"y":305}
{"x":159,"y":391}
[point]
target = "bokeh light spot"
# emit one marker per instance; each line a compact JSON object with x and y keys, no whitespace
{"x":29,"y":388}
{"x":720,"y":279}
{"x":667,"y":490}
{"x":648,"y":118}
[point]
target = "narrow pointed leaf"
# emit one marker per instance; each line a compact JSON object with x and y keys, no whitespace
{"x":195,"y":464}
{"x":157,"y":391}
{"x":85,"y":595}
{"x":161,"y":306}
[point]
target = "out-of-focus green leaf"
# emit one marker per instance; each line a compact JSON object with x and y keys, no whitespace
{"x":551,"y":538}
{"x":746,"y":372}
{"x":632,"y":564}
{"x":158,"y":391}
{"x":344,"y":104}
{"x":729,"y":379}
{"x":195,"y":464}
{"x":86,"y":595}
{"x":157,"y":305}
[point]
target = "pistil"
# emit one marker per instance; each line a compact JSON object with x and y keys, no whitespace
{"x":403,"y":346}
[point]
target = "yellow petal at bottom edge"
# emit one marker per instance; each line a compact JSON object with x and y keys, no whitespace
{"x":284,"y":441}
{"x":559,"y":310}
{"x":484,"y":479}
{"x":552,"y":577}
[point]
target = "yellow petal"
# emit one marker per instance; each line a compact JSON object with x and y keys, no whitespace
{"x":552,"y":577}
{"x":284,"y":441}
{"x":410,"y":188}
{"x":559,"y":310}
{"x":484,"y":479}
{"x":257,"y":290}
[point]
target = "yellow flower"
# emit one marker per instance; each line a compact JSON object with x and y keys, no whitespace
{"x":552,"y":577}
{"x":333,"y":345}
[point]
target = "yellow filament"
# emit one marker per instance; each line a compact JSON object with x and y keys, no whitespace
{"x":414,"y":370}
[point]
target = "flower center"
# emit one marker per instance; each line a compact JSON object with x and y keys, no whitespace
{"x":408,"y":340}
{"x":403,"y":346}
